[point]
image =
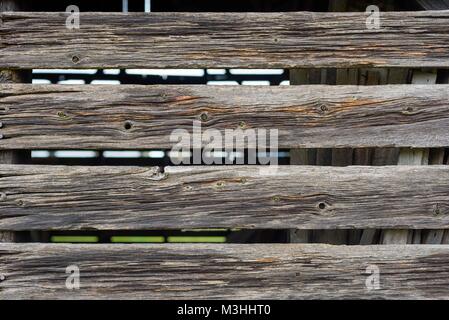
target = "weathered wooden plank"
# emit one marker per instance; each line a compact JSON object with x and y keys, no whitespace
{"x":127,"y":117}
{"x":251,"y":40}
{"x":282,"y":271}
{"x":303,"y":197}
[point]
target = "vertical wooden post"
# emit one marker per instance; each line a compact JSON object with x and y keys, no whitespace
{"x":10,"y":76}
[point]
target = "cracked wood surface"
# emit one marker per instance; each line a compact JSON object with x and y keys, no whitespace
{"x":10,"y":76}
{"x":224,"y":40}
{"x":142,"y":117}
{"x":201,"y":271}
{"x":302,"y":197}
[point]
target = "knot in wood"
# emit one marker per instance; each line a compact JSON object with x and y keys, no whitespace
{"x":323,"y":108}
{"x":325,"y":209}
{"x":242,"y":124}
{"x":436,"y":209}
{"x":63,"y":115}
{"x":75,"y":59}
{"x":409,"y":111}
{"x":204,"y":117}
{"x":220,"y":184}
{"x":128,"y":125}
{"x":155,"y":174}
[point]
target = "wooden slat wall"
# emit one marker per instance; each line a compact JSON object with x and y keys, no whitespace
{"x":139,"y":117}
{"x":435,"y":157}
{"x":308,"y":76}
{"x":410,"y":157}
{"x":248,"y":40}
{"x":224,"y":271}
{"x":10,"y":76}
{"x":113,"y":198}
{"x":91,"y":117}
{"x":345,"y":157}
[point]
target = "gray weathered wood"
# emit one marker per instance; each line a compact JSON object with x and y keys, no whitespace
{"x":252,"y":40}
{"x":369,"y":236}
{"x":73,"y":117}
{"x":10,"y":76}
{"x":385,"y":156}
{"x":363,"y":157}
{"x":301,"y":156}
{"x":411,"y":157}
{"x":302,"y":197}
{"x":435,"y":157}
{"x":407,"y":157}
{"x":256,"y":271}
{"x":6,"y":236}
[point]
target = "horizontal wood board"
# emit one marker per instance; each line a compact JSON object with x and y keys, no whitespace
{"x":256,"y":271}
{"x":266,"y":197}
{"x":144,"y":117}
{"x":218,"y":40}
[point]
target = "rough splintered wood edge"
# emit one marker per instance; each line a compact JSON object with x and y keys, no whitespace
{"x":205,"y":271}
{"x":198,"y":40}
{"x":303,"y":197}
{"x":142,"y":117}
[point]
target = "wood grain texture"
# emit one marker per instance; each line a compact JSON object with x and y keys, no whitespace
{"x":10,"y":76}
{"x":279,"y":271}
{"x":411,"y":157}
{"x":95,"y":117}
{"x":303,"y":197}
{"x":249,"y":40}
